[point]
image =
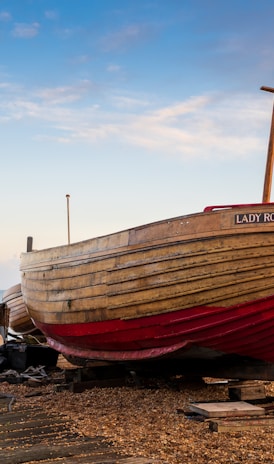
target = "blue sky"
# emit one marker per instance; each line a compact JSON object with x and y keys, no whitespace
{"x":139,"y":109}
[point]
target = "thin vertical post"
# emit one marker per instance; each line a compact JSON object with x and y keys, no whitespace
{"x":68,"y":219}
{"x":29,"y":244}
{"x":270,"y":157}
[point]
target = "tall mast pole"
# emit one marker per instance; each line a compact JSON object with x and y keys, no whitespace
{"x":68,"y":197}
{"x":270,"y":156}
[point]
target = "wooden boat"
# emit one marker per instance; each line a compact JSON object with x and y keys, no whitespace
{"x":203,"y":280}
{"x":19,"y":321}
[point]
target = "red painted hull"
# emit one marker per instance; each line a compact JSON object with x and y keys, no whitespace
{"x":247,"y":330}
{"x":204,"y":280}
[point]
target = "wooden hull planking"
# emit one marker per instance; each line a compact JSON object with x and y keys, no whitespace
{"x":204,"y":279}
{"x":20,"y":322}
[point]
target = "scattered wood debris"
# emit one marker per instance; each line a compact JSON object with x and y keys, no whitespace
{"x":237,"y":416}
{"x":34,"y":374}
{"x":144,"y":421}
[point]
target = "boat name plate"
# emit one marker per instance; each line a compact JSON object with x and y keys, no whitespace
{"x":253,"y":218}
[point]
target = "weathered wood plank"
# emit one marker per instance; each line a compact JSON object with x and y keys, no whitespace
{"x":78,"y":387}
{"x":100,"y":458}
{"x":16,"y":415}
{"x":91,"y":287}
{"x":247,"y":392}
{"x":25,"y":415}
{"x":240,"y":425}
{"x":137,"y":460}
{"x":227,"y":409}
{"x":35,"y":435}
{"x":30,"y":423}
{"x":40,"y":451}
{"x":31,"y":435}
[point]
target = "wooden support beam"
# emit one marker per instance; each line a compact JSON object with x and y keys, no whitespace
{"x":249,"y":391}
{"x":220,"y":425}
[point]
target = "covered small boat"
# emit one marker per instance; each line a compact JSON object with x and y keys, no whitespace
{"x":19,"y":321}
{"x":203,"y":280}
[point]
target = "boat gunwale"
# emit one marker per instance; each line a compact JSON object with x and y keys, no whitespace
{"x":126,"y":233}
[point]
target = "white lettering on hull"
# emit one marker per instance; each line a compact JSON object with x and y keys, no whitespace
{"x":254,"y":218}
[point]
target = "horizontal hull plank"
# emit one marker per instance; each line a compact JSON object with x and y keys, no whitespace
{"x":153,"y":274}
{"x":224,"y":271}
{"x":249,"y":340}
{"x":18,"y":315}
{"x":96,"y":282}
{"x":130,"y":257}
{"x":153,"y":290}
{"x":187,"y":254}
{"x":101,"y":307}
{"x":11,"y":293}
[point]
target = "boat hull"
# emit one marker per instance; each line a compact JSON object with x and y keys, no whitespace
{"x":19,"y":320}
{"x":205,"y":279}
{"x":247,"y":330}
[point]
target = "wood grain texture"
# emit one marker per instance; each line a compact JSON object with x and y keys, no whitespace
{"x":210,"y":269}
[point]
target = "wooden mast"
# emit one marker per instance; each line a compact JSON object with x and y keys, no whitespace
{"x":270,"y":156}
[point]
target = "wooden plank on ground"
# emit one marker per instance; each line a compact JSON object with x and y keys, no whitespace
{"x":79,"y":387}
{"x":30,"y":424}
{"x":40,"y":451}
{"x":227,"y":409}
{"x":23,"y":415}
{"x":241,"y":424}
{"x":99,"y":458}
{"x":32,"y":435}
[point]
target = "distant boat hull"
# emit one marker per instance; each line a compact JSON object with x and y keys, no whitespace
{"x":204,"y":280}
{"x":19,"y":322}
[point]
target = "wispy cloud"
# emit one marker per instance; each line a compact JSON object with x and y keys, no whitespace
{"x":5,"y":85}
{"x":125,"y":37}
{"x":25,"y":31}
{"x":80,"y":59}
{"x":5,"y":16}
{"x":65,"y":94}
{"x":51,"y":15}
{"x":58,"y":95}
{"x":226,"y":125}
{"x":113,"y":68}
{"x":66,"y":33}
{"x":130,"y":102}
{"x":176,"y":110}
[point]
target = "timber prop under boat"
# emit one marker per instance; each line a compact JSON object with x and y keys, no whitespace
{"x":203,"y":280}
